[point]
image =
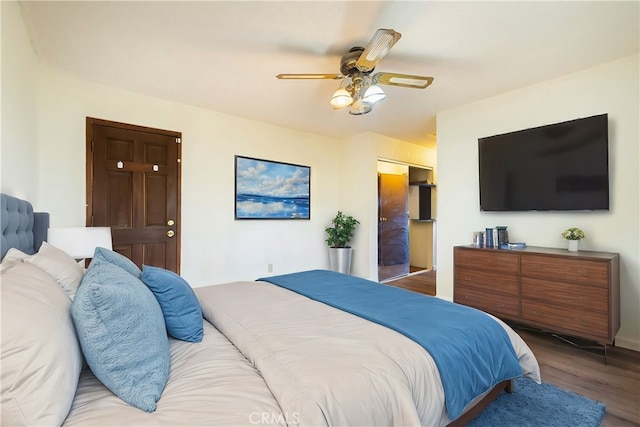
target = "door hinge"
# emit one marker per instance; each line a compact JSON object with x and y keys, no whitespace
{"x":178,"y":140}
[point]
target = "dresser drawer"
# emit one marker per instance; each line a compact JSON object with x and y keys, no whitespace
{"x":496,"y":304}
{"x":567,"y":319}
{"x":566,"y":269}
{"x":503,"y":283}
{"x":574,"y":294}
{"x":588,"y":298}
{"x":492,"y":260}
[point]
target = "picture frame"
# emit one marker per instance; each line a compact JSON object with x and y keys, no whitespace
{"x":268,"y":189}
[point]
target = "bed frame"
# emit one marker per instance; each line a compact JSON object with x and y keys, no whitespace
{"x":465,"y":418}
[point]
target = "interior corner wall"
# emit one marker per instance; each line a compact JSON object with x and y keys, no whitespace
{"x":18,"y":90}
{"x":611,"y":88}
{"x":359,"y":194}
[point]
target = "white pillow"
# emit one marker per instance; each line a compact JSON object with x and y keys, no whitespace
{"x":11,"y":258}
{"x":40,"y":354}
{"x":59,"y":265}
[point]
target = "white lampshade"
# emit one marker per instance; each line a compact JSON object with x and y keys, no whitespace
{"x":80,"y":242}
{"x":373,"y":94}
{"x":340,"y":99}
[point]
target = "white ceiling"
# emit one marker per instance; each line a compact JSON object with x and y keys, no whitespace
{"x":224,"y":56}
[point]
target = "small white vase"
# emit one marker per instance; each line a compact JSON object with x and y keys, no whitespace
{"x":573,"y":245}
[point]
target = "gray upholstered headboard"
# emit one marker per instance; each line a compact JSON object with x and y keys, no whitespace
{"x":21,"y":227}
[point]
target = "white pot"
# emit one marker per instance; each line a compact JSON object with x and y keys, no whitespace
{"x":340,"y":259}
{"x":573,"y":245}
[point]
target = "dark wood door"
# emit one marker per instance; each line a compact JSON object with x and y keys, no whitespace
{"x":393,"y":225}
{"x":133,"y":186}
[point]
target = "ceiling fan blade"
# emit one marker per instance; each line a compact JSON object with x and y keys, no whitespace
{"x":310,"y":76}
{"x":403,"y":80}
{"x":378,"y":46}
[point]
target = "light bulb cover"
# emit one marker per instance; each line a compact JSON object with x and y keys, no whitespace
{"x":340,"y":99}
{"x":359,"y":107}
{"x":373,"y":94}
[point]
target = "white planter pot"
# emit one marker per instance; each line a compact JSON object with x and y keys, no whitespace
{"x":340,"y":259}
{"x":573,"y":245}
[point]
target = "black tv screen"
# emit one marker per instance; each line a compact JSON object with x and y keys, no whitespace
{"x":557,"y":167}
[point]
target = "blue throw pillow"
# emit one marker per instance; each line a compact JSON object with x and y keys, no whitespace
{"x":104,"y":254}
{"x":122,"y":334}
{"x":180,"y":306}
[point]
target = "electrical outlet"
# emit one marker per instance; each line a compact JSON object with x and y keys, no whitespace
{"x":270,"y":268}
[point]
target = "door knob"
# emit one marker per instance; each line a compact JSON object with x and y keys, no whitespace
{"x":170,"y":222}
{"x":170,"y":233}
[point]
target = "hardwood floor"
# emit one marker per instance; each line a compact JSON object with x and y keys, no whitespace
{"x":576,"y":368}
{"x":583,"y":371}
{"x":424,"y":282}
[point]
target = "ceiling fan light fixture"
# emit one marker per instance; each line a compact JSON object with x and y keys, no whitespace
{"x":377,"y":48}
{"x":359,"y":107}
{"x":359,"y":87}
{"x":340,"y":99}
{"x":373,"y":95}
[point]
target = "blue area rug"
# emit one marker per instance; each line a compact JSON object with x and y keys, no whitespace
{"x":540,"y":405}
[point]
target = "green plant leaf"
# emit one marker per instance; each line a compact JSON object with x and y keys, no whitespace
{"x":343,"y":230}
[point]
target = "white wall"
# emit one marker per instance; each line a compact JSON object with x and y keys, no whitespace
{"x":215,"y":247}
{"x":611,"y":88}
{"x":18,"y":89}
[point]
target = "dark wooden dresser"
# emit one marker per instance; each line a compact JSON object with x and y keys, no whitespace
{"x":569,"y":293}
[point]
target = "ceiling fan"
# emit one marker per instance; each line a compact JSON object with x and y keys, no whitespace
{"x":359,"y":88}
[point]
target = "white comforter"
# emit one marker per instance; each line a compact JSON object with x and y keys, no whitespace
{"x":328,"y":367}
{"x":210,"y":384}
{"x":279,"y":358}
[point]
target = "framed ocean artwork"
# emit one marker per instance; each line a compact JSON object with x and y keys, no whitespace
{"x":266,"y":189}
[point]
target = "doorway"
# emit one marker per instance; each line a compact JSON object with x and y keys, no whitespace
{"x":133,"y":186}
{"x":393,"y":225}
{"x":406,"y":224}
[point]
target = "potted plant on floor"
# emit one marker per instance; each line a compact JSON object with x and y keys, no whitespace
{"x":343,"y":230}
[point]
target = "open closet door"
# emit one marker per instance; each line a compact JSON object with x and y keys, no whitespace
{"x":393,"y":226}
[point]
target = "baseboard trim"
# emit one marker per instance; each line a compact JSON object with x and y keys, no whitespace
{"x":627,"y":343}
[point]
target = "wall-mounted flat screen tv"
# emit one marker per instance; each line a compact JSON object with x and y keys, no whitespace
{"x":557,"y":167}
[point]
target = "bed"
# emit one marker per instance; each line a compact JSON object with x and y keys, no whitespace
{"x":307,"y":348}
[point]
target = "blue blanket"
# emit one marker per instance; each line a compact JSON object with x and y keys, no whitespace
{"x":472,"y":351}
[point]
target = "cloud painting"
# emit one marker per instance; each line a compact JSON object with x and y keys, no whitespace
{"x":271,"y":190}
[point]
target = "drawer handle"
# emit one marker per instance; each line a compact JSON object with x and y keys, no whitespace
{"x":467,"y":279}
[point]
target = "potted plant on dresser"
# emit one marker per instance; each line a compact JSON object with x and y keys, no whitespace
{"x":340,"y":234}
